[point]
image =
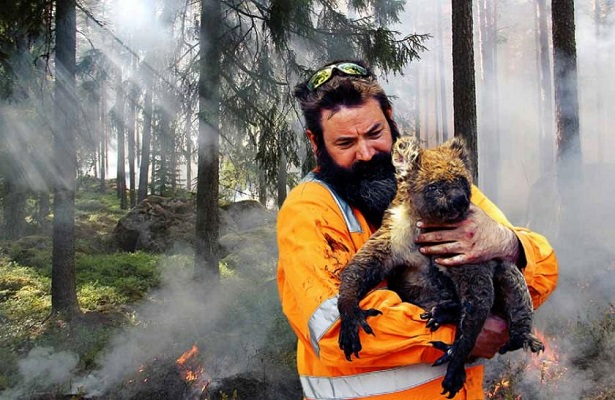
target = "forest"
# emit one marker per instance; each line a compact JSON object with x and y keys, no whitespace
{"x":177,"y":118}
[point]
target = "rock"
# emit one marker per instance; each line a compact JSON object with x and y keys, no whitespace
{"x":166,"y":225}
{"x":156,"y":224}
{"x":246,"y":215}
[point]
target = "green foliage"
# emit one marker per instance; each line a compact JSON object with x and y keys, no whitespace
{"x":130,"y":274}
{"x":595,"y":333}
{"x":33,"y":251}
{"x":22,"y":24}
{"x":22,"y":292}
{"x":259,"y":67}
{"x":105,"y":284}
{"x":286,"y":16}
{"x":233,"y":396}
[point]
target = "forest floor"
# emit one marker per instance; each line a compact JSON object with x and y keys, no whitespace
{"x":141,"y":313}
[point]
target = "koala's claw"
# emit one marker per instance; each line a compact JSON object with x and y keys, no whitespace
{"x":453,"y":381}
{"x":527,"y":341}
{"x":349,"y":340}
{"x":447,"y":313}
{"x":446,"y":348}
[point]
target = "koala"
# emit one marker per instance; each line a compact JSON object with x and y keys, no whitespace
{"x":434,"y":185}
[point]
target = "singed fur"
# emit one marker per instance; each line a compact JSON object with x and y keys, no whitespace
{"x":433,"y":185}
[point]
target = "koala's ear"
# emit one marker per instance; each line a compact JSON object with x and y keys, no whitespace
{"x":459,"y":145}
{"x":406,"y":154}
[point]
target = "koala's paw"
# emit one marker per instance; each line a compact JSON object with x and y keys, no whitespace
{"x":441,"y":314}
{"x":453,"y":381}
{"x":349,"y":340}
{"x":448,"y":350}
{"x":525,"y":341}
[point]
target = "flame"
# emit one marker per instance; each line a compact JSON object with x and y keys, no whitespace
{"x":547,"y":364}
{"x":192,"y":372}
{"x":187,"y":355}
{"x":548,"y":361}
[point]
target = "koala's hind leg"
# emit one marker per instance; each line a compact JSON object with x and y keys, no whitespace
{"x":515,"y":302}
{"x":430,"y":289}
{"x":474,"y":284}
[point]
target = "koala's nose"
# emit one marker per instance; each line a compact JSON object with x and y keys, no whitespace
{"x":459,"y":200}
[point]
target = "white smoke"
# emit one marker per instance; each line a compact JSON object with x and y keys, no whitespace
{"x":43,"y":369}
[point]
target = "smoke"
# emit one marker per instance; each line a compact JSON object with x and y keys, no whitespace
{"x":232,"y":328}
{"x":180,"y":314}
{"x":42,"y":369}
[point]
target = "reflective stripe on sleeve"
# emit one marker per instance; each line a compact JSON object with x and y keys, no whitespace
{"x":322,"y":320}
{"x":369,"y":384}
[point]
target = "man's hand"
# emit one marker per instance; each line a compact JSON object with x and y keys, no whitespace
{"x":493,"y":336}
{"x":477,"y":238}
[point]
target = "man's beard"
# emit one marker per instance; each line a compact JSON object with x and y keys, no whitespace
{"x":367,"y":185}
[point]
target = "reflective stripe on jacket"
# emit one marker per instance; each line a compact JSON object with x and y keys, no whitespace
{"x":318,"y":233}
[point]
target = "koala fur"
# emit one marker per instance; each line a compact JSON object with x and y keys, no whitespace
{"x":433,"y":185}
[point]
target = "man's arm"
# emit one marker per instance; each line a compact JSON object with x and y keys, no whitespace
{"x":487,"y":234}
{"x":314,"y":246}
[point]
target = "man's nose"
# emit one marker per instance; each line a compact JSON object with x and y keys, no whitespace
{"x":365,"y":152}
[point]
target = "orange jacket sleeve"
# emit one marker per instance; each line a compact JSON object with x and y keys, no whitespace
{"x":541,"y":269}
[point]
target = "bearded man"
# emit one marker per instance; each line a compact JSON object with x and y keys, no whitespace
{"x":332,"y":213}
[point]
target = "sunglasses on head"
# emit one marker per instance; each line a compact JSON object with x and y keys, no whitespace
{"x":323,"y":75}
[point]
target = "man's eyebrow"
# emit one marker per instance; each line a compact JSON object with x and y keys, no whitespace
{"x":377,"y":126}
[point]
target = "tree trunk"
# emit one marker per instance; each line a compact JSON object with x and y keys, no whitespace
{"x":102,"y":153}
{"x":120,"y":104}
{"x":173,"y":151}
{"x":417,"y":102}
{"x":489,"y":106}
{"x":146,"y":140}
{"x":282,"y":176}
{"x":43,"y":210}
{"x":568,"y":141}
{"x":14,"y":204}
{"x":426,"y":118}
{"x":162,"y":173}
{"x":63,"y":282}
{"x":442,"y":74}
{"x":207,"y":218}
{"x":545,"y":100}
{"x":417,"y":89}
{"x":133,"y":93}
{"x":599,"y":97}
{"x":464,"y":92}
{"x":436,"y":79}
{"x":262,"y":186}
{"x":130,"y":132}
{"x":188,"y":150}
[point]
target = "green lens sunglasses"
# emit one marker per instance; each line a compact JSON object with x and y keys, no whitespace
{"x":323,"y":75}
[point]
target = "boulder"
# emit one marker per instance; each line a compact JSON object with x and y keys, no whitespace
{"x":166,"y":225}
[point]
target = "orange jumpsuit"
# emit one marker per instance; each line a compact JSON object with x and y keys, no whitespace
{"x":318,"y":233}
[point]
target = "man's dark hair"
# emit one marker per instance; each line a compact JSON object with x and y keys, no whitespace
{"x":340,"y":90}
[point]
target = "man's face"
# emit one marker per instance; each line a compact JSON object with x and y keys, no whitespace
{"x":355,"y":134}
{"x":356,"y":157}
